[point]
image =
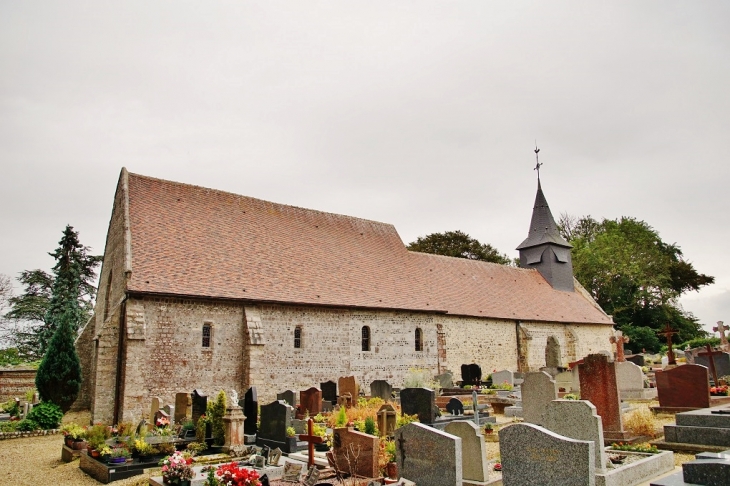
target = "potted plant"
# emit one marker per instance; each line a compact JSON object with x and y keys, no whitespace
{"x":188,"y":430}
{"x":320,"y":431}
{"x":177,"y":469}
{"x":391,"y":467}
{"x":74,"y":436}
{"x":488,"y":428}
{"x":117,"y":455}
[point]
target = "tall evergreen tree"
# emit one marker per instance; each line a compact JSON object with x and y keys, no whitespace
{"x":58,"y":379}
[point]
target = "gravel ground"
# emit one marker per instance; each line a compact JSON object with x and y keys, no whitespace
{"x":37,"y":460}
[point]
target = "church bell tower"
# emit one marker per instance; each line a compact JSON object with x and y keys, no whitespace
{"x":545,"y":249}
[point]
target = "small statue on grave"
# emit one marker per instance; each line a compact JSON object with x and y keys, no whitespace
{"x":233,"y":396}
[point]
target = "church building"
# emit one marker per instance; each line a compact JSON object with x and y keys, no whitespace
{"x":204,"y":289}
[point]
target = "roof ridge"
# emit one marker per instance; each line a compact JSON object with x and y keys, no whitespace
{"x":282,"y":205}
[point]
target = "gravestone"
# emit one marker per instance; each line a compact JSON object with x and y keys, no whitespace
{"x":504,"y":376}
{"x":564,"y":381}
{"x":538,"y":390}
{"x":183,"y":407}
{"x":329,"y":391}
{"x":154,"y":408}
{"x":630,"y":381}
{"x":553,"y":358}
{"x":387,"y":418}
{"x":684,"y":387}
{"x":445,"y":380}
{"x":428,"y":456}
{"x":577,"y":419}
{"x":251,"y":411}
{"x":419,"y":401}
{"x":326,"y":406}
{"x":233,"y":423}
{"x":199,"y":404}
{"x":721,"y":361}
{"x":349,"y":444}
{"x":275,"y":418}
{"x":534,"y":456}
{"x":347,"y":384}
{"x":473,"y":450}
{"x":312,"y":476}
{"x":289,"y":397}
{"x":471,"y":374}
{"x":292,"y":472}
{"x":344,"y":400}
{"x":310,"y":401}
{"x":598,"y":385}
{"x":455,"y":407}
{"x":637,"y":359}
{"x":381,"y":389}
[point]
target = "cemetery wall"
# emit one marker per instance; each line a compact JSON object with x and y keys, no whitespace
{"x":15,"y":382}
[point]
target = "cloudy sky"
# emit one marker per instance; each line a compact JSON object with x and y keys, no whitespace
{"x":421,"y":114}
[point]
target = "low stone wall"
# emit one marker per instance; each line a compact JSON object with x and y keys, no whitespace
{"x":34,"y":433}
{"x":14,"y":382}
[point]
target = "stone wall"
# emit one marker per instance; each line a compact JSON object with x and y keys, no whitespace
{"x":490,"y":343}
{"x":14,"y":382}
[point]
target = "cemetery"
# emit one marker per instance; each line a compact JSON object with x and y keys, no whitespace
{"x":563,"y":426}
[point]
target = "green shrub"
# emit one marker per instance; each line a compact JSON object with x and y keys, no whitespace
{"x":341,"y":417}
{"x":370,"y":426}
{"x":201,"y":428}
{"x":216,"y":411}
{"x":700,"y":343}
{"x":46,"y":414}
{"x":9,"y":426}
{"x":27,"y":425}
{"x":11,"y":407}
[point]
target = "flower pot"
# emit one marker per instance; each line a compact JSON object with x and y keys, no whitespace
{"x":79,"y":445}
{"x":488,"y":431}
{"x":95,"y":453}
{"x":69,"y":442}
{"x":321,"y":447}
{"x":391,"y":470}
{"x":117,"y":460}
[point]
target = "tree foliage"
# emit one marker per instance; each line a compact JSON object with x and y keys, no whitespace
{"x":58,"y":379}
{"x":458,"y":244}
{"x":37,"y":309}
{"x":634,"y":275}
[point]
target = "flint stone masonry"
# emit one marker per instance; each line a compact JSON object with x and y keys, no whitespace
{"x":534,"y":456}
{"x":15,"y":382}
{"x":427,"y":456}
{"x":577,"y":419}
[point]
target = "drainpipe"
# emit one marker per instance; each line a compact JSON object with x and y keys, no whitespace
{"x":121,"y":351}
{"x":519,"y":346}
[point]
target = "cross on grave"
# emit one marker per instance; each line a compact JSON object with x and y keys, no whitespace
{"x":619,"y":340}
{"x":311,"y":439}
{"x":721,"y":329}
{"x":402,"y":447}
{"x":669,"y":332}
{"x":711,"y":358}
{"x":475,"y":407}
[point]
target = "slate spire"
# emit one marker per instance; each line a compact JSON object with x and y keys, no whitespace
{"x":545,"y":249}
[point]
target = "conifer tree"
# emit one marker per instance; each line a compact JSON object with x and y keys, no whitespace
{"x":58,"y":379}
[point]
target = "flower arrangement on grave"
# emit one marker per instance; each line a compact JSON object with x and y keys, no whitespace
{"x":386,"y":458}
{"x":570,"y":396}
{"x":290,"y":432}
{"x":177,"y":468}
{"x":195,"y":448}
{"x":144,"y":449}
{"x":96,"y":436}
{"x":232,"y":474}
{"x":162,"y":421}
{"x":488,"y":428}
{"x":116,"y":454}
{"x":497,"y":466}
{"x":73,"y":432}
{"x":719,"y":391}
{"x":646,"y":449}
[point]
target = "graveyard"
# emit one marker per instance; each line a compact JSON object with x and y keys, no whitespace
{"x":605,"y":420}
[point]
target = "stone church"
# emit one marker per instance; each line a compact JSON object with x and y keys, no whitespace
{"x":205,"y":289}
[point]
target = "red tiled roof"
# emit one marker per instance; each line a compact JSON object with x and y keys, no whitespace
{"x":192,"y":241}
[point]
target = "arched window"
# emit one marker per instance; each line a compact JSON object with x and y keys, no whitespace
{"x":419,"y":339}
{"x":365,"y":338}
{"x":298,"y":337}
{"x":207,"y":328}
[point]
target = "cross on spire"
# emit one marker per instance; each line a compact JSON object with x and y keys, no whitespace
{"x":537,"y":161}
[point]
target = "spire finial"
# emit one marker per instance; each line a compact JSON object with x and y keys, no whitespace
{"x":537,"y":161}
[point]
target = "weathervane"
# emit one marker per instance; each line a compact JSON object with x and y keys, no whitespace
{"x":537,"y":161}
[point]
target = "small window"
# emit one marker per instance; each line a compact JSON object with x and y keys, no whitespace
{"x":298,"y":337}
{"x":206,"y":335}
{"x":365,"y":338}
{"x":419,"y":339}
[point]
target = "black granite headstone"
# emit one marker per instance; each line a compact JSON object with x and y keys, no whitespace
{"x":475,"y":371}
{"x":637,"y":359}
{"x":275,"y":418}
{"x":329,"y":391}
{"x":200,"y":404}
{"x":455,"y":407}
{"x":465,"y":375}
{"x":289,"y":397}
{"x":419,"y":401}
{"x":251,"y":411}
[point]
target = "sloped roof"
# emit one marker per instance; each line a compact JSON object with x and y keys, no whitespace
{"x":542,"y":225}
{"x":192,"y":241}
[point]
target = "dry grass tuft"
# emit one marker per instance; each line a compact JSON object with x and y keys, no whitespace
{"x":641,"y":422}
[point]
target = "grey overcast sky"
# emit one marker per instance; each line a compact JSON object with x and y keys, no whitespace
{"x":420,"y":114}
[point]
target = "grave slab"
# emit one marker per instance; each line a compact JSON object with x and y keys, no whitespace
{"x":427,"y":456}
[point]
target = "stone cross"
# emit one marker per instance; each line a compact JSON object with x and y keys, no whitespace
{"x":475,"y":407}
{"x":711,"y":358}
{"x":619,"y":339}
{"x":669,"y":332}
{"x":723,"y":339}
{"x":311,"y":439}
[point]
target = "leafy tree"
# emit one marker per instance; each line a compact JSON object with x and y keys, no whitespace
{"x":58,"y":379}
{"x":36,"y":310}
{"x":634,"y":275}
{"x":458,"y":244}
